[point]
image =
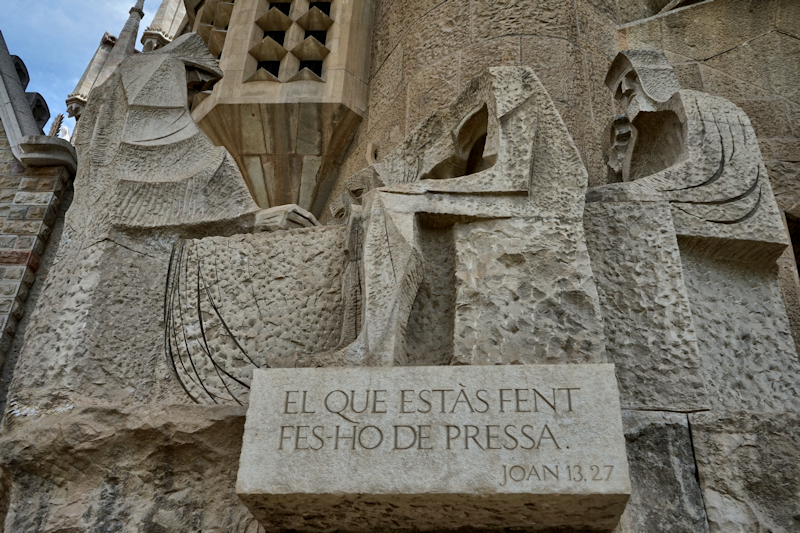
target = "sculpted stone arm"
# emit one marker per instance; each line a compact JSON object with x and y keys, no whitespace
{"x":282,"y":217}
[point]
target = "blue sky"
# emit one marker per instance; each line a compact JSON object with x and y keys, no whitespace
{"x":57,"y":38}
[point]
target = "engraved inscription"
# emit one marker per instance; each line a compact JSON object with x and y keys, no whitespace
{"x":527,"y":420}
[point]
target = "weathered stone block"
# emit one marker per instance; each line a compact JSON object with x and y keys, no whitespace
{"x":521,"y":298}
{"x":749,"y":466}
{"x":665,"y":494}
{"x":364,"y":448}
{"x":748,"y":355}
{"x":645,"y":305}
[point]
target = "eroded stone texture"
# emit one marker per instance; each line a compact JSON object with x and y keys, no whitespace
{"x":236,"y":303}
{"x":698,"y":154}
{"x":696,"y":151}
{"x":743,"y":335}
{"x":665,"y":494}
{"x":315,"y":459}
{"x":429,"y":335}
{"x":147,"y":176}
{"x":424,"y":53}
{"x":134,"y":195}
{"x":525,"y":293}
{"x":134,"y":468}
{"x":749,"y":466}
{"x":513,"y":195}
{"x":646,"y":311}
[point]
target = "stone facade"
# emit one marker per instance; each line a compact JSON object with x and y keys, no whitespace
{"x":277,"y":202}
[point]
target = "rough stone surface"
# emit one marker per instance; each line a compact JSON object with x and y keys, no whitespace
{"x":523,"y":285}
{"x":236,"y":303}
{"x":524,"y":293}
{"x":752,"y":59}
{"x":458,"y":210}
{"x":665,"y":494}
{"x":299,"y":470}
{"x":749,"y":467}
{"x":646,"y":311}
{"x":743,"y":335}
{"x":79,"y":469}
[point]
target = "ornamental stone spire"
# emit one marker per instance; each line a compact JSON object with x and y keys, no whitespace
{"x":167,"y":24}
{"x":76,"y":100}
{"x":126,"y":42}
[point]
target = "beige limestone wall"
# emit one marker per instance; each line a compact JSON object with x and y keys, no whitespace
{"x":424,"y":52}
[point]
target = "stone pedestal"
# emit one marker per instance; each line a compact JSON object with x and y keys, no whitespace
{"x":533,"y":446}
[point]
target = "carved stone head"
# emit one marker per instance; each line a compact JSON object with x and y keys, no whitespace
{"x":640,"y":80}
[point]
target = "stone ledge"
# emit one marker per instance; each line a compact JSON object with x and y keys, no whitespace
{"x":45,"y":151}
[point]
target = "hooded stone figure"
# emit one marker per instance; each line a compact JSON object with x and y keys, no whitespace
{"x":698,"y":152}
{"x":144,"y":163}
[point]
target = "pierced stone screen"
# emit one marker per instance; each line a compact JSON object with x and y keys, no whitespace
{"x":434,"y":447}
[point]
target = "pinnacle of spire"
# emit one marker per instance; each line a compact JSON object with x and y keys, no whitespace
{"x":138,"y":8}
{"x":126,"y":43}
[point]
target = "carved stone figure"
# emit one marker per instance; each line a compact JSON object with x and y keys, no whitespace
{"x":690,"y":234}
{"x":482,"y":207}
{"x":147,"y":176}
{"x":696,"y":151}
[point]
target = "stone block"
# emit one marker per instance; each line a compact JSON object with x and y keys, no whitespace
{"x":787,"y":17}
{"x":783,"y":176}
{"x":645,"y":305}
{"x":632,"y":10}
{"x":554,"y":18}
{"x":559,"y":66}
{"x":720,"y":84}
{"x":7,"y":195}
{"x":665,"y":494}
{"x":645,"y":35}
{"x":8,"y":288}
{"x":597,"y":26}
{"x":14,"y":272}
{"x":22,"y":227}
{"x":363,"y":448}
{"x":770,"y":61}
{"x":25,"y":242}
{"x":431,"y":89}
{"x":503,"y":51}
{"x":689,"y":76}
{"x":386,"y":85}
{"x":390,"y":128}
{"x":749,"y":468}
{"x":17,"y":212}
{"x":525,"y":294}
{"x":10,"y":182}
{"x":33,"y":198}
{"x":28,"y":184}
{"x":786,"y":149}
{"x":747,"y":352}
{"x":768,"y":116}
{"x":715,"y":27}
{"x":441,"y":32}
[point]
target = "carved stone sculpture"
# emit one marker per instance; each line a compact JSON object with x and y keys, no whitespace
{"x":482,"y":208}
{"x":147,"y":175}
{"x":689,"y":235}
{"x":699,"y":153}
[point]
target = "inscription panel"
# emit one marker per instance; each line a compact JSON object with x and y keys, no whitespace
{"x":449,"y":442}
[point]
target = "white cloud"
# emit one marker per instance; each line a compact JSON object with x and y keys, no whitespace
{"x":57,"y":38}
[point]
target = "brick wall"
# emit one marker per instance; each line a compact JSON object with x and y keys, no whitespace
{"x":29,"y":200}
